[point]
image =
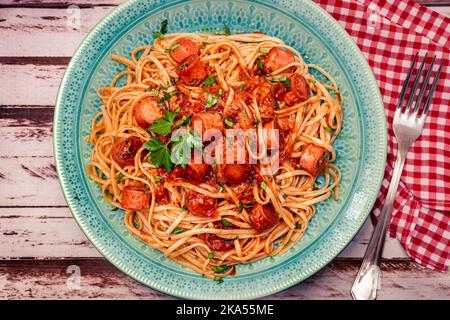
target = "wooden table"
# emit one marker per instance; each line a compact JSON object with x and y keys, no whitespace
{"x":40,"y":243}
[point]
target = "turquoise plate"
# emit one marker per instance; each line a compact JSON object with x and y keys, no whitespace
{"x":361,"y":147}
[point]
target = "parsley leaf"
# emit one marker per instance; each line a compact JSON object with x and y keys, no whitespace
{"x":263,"y":50}
{"x":182,"y":145}
{"x":328,"y":129}
{"x":163,"y":126}
{"x":263,"y":185}
{"x":158,"y":178}
{"x":119,"y":177}
{"x":159,"y":153}
{"x":170,"y":116}
{"x":210,"y":255}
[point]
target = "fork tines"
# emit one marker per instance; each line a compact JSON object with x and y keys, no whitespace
{"x":424,"y":84}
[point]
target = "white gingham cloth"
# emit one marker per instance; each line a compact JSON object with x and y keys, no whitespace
{"x":389,"y":33}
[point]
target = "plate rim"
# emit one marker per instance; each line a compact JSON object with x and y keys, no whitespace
{"x":62,"y":177}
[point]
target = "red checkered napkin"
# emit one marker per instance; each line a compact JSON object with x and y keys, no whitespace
{"x":389,"y":33}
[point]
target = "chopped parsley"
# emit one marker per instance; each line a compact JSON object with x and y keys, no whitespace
{"x":313,"y":81}
{"x":220,"y":269}
{"x":328,"y":129}
{"x":229,"y":123}
{"x":241,"y":206}
{"x":150,"y":88}
{"x":184,"y":120}
{"x":287,"y":83}
{"x":211,"y":100}
{"x":277,"y":105}
{"x":162,"y":31}
{"x":226,"y":30}
{"x":242,"y":86}
{"x":263,"y":185}
{"x":119,"y":177}
{"x":226,"y":223}
{"x":210,"y":255}
{"x":263,"y":50}
{"x":165,"y":87}
{"x":177,"y":230}
{"x":183,"y":208}
{"x":218,"y":279}
{"x":220,"y":185}
{"x":298,"y":225}
{"x":158,"y":178}
{"x":260,"y":65}
{"x":210,"y":80}
{"x":280,"y":79}
{"x":176,"y":45}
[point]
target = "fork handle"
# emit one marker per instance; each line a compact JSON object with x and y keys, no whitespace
{"x":368,"y":279}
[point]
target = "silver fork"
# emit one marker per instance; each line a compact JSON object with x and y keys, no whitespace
{"x":408,"y":125}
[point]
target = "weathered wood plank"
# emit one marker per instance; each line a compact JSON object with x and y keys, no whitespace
{"x":29,"y":181}
{"x":53,"y":233}
{"x":42,"y":233}
{"x":45,"y":32}
{"x":99,"y":280}
{"x":29,"y":84}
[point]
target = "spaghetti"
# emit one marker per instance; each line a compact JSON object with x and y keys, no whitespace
{"x":211,"y":217}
